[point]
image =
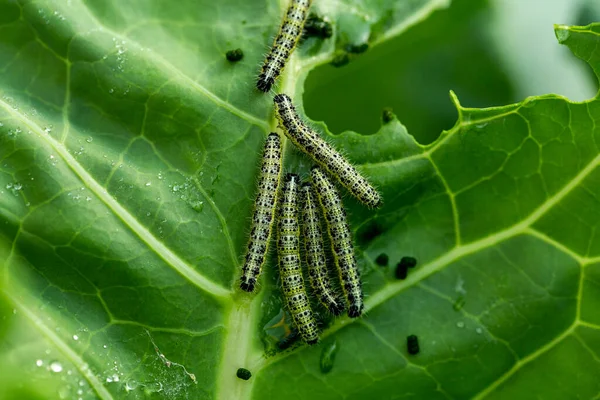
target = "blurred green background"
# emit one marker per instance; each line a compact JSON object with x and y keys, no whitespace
{"x":490,"y":52}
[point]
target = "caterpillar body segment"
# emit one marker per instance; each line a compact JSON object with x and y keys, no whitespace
{"x":309,"y":141}
{"x":284,"y":43}
{"x":264,"y":211}
{"x":314,"y":250}
{"x":341,"y":240}
{"x":290,"y":271}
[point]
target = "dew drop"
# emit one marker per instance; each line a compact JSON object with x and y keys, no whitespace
{"x":460,"y":324}
{"x":75,"y":337}
{"x":148,"y":183}
{"x":198,"y":206}
{"x":89,"y":140}
{"x":39,"y":363}
{"x":55,"y":366}
{"x":479,"y":331}
{"x":131,"y":385}
{"x":154,"y":387}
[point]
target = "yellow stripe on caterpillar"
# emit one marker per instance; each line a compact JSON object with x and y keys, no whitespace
{"x":323,"y":153}
{"x":264,"y":210}
{"x":315,"y":252}
{"x":284,"y":43}
{"x":290,"y":270}
{"x":341,"y":240}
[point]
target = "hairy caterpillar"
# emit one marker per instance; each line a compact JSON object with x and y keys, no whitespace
{"x":324,"y":154}
{"x":290,"y":270}
{"x":284,"y":43}
{"x":315,"y":252}
{"x":341,"y":240}
{"x":264,"y":208}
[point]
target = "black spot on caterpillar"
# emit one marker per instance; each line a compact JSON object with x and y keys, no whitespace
{"x":290,"y":270}
{"x":284,"y":43}
{"x":323,"y":153}
{"x":264,"y":209}
{"x":315,"y":252}
{"x":341,"y":240}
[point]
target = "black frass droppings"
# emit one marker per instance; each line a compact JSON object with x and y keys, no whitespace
{"x":412,"y":344}
{"x":387,"y":115}
{"x":357,"y":48}
{"x":243,"y":373}
{"x":234,"y":55}
{"x":403,"y":266}
{"x":340,"y":59}
{"x":410,"y":262}
{"x":316,"y":26}
{"x":382,"y":260}
{"x":401,"y":271}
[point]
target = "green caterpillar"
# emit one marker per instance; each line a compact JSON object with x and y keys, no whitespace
{"x":341,"y":240}
{"x":284,"y":43}
{"x":290,"y":270}
{"x":315,"y":252}
{"x":264,"y":208}
{"x":323,"y":153}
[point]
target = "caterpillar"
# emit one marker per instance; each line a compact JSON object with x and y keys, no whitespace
{"x":315,"y":252}
{"x":323,"y":153}
{"x":341,"y":240}
{"x":264,"y":208}
{"x":284,"y":43}
{"x":290,"y":270}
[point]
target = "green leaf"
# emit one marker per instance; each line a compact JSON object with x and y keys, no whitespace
{"x":128,"y":154}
